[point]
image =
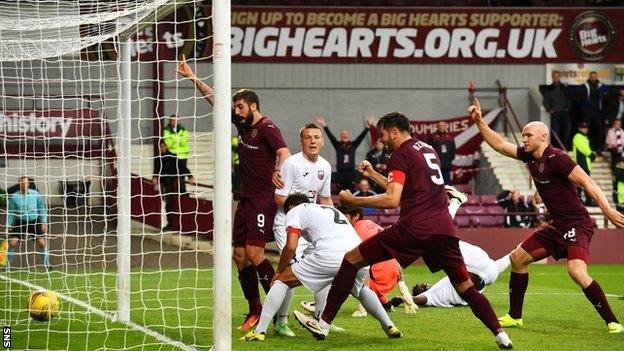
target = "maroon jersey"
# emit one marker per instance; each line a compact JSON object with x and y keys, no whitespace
{"x":550,"y":173}
{"x":257,"y":146}
{"x":424,"y":208}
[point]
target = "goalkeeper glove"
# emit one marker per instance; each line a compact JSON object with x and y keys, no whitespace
{"x":410,"y":306}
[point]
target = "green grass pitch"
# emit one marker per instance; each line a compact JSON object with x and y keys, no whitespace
{"x":557,"y":316}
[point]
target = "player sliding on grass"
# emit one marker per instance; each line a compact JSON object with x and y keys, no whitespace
{"x":569,"y":233}
{"x":331,"y":236}
{"x":425,"y":228}
{"x":482,"y":269}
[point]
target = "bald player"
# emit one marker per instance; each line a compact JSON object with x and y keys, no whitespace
{"x":569,"y":233}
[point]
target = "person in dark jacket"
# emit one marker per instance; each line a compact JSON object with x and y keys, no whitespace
{"x":444,"y":144}
{"x":168,"y":178}
{"x":378,"y":158}
{"x":512,"y":202}
{"x":557,"y":103}
{"x":345,"y":152}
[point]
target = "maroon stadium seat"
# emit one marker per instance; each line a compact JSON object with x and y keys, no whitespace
{"x":472,"y":200}
{"x":495,"y":210}
{"x":464,"y":188}
{"x":489,"y":200}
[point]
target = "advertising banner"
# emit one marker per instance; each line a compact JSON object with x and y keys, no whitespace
{"x":394,"y":35}
{"x":44,"y":133}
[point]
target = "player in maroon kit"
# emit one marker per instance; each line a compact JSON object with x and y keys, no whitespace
{"x":260,"y":142}
{"x":569,"y":233}
{"x":425,"y":228}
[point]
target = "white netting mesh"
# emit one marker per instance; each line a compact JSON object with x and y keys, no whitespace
{"x":37,"y":29}
{"x":59,"y":123}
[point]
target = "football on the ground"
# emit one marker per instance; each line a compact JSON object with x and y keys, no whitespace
{"x":43,"y":305}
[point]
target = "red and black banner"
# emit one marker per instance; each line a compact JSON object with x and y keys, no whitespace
{"x":465,"y":134}
{"x":394,"y":35}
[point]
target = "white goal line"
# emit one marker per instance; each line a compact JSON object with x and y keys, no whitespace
{"x":103,"y":314}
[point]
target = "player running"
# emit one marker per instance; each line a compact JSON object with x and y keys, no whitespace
{"x":331,"y":236}
{"x":425,"y":228}
{"x":569,"y":233}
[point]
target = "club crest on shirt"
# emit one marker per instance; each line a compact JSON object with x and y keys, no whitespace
{"x":321,"y":175}
{"x":540,"y":167}
{"x":254,"y":133}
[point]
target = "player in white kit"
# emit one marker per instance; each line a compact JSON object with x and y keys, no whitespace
{"x":482,"y":269}
{"x":309,"y":173}
{"x":331,"y":236}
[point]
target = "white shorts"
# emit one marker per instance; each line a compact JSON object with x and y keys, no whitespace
{"x":317,"y":270}
{"x":303,"y":246}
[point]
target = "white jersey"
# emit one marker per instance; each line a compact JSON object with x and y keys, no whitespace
{"x":442,"y":293}
{"x":301,"y":175}
{"x":331,"y":236}
{"x":326,"y":228}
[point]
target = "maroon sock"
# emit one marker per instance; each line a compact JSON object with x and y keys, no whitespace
{"x":482,"y":309}
{"x":518,"y":283}
{"x":265,"y":274}
{"x":249,"y":283}
{"x":596,"y":296}
{"x":339,"y":291}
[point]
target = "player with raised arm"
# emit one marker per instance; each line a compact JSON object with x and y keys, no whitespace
{"x":568,"y":235}
{"x":260,"y":144}
{"x":331,"y":236}
{"x":309,"y":173}
{"x":425,"y":228}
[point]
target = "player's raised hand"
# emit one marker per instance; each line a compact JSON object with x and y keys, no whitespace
{"x":475,"y":111}
{"x":320,"y":120}
{"x":277,"y":179}
{"x":616,"y":217}
{"x":346,"y":197}
{"x":184,"y":69}
{"x":365,"y":168}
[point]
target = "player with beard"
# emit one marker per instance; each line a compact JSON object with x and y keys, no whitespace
{"x":260,"y":143}
{"x":424,"y":229}
{"x":568,"y":235}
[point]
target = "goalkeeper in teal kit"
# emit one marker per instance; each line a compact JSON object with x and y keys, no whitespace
{"x":27,"y":218}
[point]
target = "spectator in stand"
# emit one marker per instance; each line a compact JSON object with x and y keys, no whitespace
{"x":557,"y":103}
{"x":618,"y":194}
{"x":345,"y":152}
{"x":583,"y":156}
{"x":364,"y":189}
{"x":378,"y":157}
{"x":615,"y":141}
{"x":618,"y":111}
{"x":176,"y":137}
{"x":593,"y":92}
{"x":167,"y":178}
{"x":537,"y":206}
{"x":444,"y":144}
{"x":512,"y":202}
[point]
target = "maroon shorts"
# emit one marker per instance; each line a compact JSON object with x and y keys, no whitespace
{"x":253,"y":221}
{"x":556,"y":242}
{"x":439,"y":251}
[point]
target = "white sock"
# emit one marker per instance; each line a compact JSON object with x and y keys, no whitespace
{"x":373,"y":306}
{"x":502,"y":263}
{"x":282,"y":313}
{"x":271,"y":304}
{"x":453,"y":207}
{"x":320,"y":299}
{"x":324,"y":325}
